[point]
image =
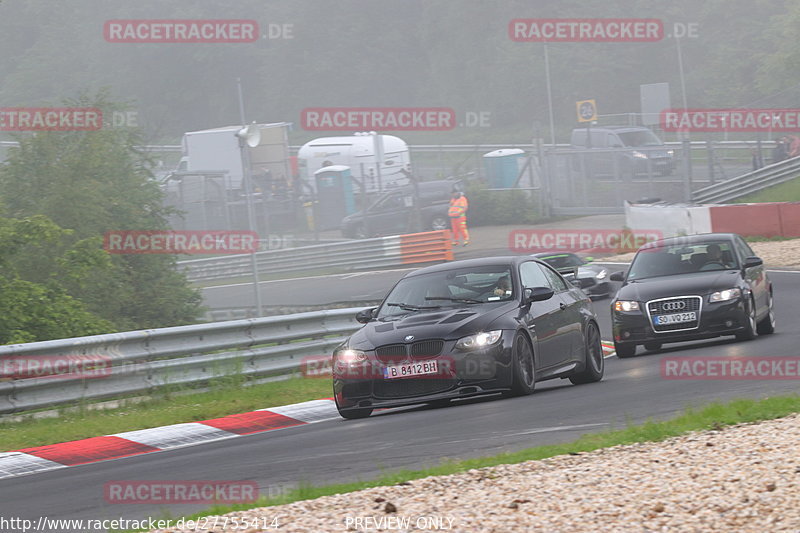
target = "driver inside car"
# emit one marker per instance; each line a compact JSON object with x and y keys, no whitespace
{"x":715,"y":256}
{"x":503,"y":287}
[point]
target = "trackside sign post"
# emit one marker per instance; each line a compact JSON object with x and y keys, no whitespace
{"x":587,"y":110}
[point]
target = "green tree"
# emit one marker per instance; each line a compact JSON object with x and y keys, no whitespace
{"x":43,"y":309}
{"x":91,"y":183}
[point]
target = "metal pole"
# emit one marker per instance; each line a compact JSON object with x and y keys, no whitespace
{"x":680,"y":68}
{"x":549,"y":97}
{"x":248,"y":191}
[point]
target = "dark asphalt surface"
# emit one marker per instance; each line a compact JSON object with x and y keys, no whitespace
{"x":338,"y":450}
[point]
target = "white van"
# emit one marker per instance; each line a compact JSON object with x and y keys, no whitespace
{"x":382,"y":170}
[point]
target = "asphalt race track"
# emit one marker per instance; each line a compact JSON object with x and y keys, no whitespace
{"x":337,"y":450}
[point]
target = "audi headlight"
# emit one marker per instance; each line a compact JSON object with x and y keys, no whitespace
{"x":348,"y":356}
{"x":602,"y":274}
{"x":724,"y":296}
{"x":479,"y":340}
{"x":639,"y":155}
{"x":670,"y":152}
{"x":626,"y":305}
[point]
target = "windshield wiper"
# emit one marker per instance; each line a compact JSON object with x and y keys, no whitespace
{"x":464,"y":300}
{"x":409,"y":307}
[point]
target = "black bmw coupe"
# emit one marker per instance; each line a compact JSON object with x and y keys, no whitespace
{"x":466,"y":328}
{"x":688,"y":288}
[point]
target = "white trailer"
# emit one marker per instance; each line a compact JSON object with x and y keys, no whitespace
{"x":375,"y":159}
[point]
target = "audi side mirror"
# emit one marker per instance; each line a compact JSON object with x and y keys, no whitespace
{"x":617,"y":276}
{"x":365,"y":316}
{"x":753,"y":261}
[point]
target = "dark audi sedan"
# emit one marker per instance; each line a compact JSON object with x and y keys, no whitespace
{"x":689,"y":288}
{"x":466,"y":328}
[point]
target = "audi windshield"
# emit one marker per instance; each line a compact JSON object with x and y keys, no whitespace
{"x":656,"y":261}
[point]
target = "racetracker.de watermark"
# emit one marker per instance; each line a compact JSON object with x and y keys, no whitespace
{"x":50,"y":119}
{"x":396,"y":368}
{"x":585,"y":240}
{"x":180,"y":242}
{"x":180,"y":491}
{"x":181,"y":31}
{"x":732,"y":120}
{"x":586,"y":30}
{"x":378,"y":118}
{"x":85,"y":366}
{"x":730,"y":369}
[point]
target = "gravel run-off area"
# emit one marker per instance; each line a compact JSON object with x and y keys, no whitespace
{"x":744,"y":478}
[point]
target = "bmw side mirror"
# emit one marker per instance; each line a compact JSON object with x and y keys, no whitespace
{"x":753,"y":261}
{"x":538,"y":294}
{"x":617,"y":276}
{"x":576,"y":282}
{"x":365,"y":316}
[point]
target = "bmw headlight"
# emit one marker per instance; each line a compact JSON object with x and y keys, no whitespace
{"x":670,"y":152}
{"x":479,"y":340}
{"x":626,"y":305}
{"x":348,"y":356}
{"x":639,"y":155}
{"x":724,"y":296}
{"x":602,"y":274}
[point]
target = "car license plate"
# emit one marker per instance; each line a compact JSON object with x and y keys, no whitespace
{"x":410,"y":370}
{"x":660,"y":320}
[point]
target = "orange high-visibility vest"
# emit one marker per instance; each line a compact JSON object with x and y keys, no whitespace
{"x":458,"y":207}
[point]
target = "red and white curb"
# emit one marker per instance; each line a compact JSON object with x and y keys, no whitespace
{"x":130,"y":443}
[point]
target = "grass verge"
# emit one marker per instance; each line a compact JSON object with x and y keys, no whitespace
{"x":224,"y":397}
{"x":785,"y":192}
{"x":714,"y":416}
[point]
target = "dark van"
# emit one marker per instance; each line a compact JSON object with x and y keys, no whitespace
{"x":626,"y":150}
{"x":392,"y":213}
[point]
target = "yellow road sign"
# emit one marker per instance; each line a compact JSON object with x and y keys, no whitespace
{"x":587,"y":110}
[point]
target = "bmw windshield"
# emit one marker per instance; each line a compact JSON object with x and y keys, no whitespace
{"x":449,"y":288}
{"x":681,"y":258}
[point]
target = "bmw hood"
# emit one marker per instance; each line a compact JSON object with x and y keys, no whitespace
{"x":448,"y":324}
{"x":699,"y":283}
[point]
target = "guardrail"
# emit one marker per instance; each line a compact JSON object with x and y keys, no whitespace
{"x":350,"y":255}
{"x":144,"y":361}
{"x":751,"y":182}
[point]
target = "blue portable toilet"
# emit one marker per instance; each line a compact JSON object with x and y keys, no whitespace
{"x":503,"y":167}
{"x":335,"y":198}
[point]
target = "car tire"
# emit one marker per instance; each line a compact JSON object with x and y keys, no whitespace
{"x":652,"y":346}
{"x":352,"y":414}
{"x":625,"y":350}
{"x":767,"y":324}
{"x":750,"y":328}
{"x":439,"y":223}
{"x":594,"y":364}
{"x":523,"y":369}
